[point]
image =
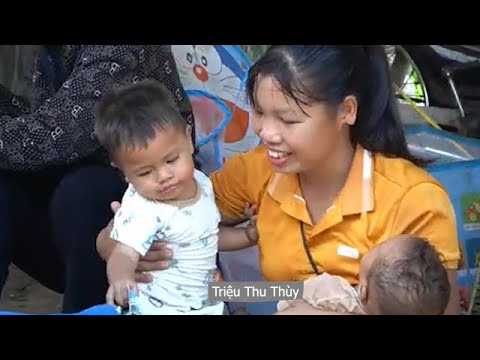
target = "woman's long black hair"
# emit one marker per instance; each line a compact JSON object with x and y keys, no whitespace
{"x":329,"y":73}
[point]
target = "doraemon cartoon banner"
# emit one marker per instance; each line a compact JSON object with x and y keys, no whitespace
{"x":214,"y":79}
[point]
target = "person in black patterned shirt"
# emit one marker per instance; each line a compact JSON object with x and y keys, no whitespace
{"x":56,"y":183}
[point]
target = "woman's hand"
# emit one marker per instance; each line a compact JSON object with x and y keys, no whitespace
{"x":251,"y":230}
{"x":157,"y":258}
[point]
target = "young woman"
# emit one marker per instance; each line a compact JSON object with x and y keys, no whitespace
{"x":333,"y":175}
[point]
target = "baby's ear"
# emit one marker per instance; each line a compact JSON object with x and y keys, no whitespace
{"x":115,"y":166}
{"x":363,"y":293}
{"x":189,"y":136}
{"x":188,"y":131}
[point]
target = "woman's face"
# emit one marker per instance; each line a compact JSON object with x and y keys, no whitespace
{"x":298,"y":139}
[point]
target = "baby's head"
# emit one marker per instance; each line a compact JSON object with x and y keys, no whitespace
{"x":148,"y":140}
{"x":403,"y":275}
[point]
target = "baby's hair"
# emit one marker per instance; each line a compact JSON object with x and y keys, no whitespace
{"x":412,"y":283}
{"x":130,"y":116}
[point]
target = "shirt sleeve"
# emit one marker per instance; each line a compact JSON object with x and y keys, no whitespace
{"x":61,"y":129}
{"x":426,"y":211}
{"x":136,"y":224}
{"x":241,"y":180}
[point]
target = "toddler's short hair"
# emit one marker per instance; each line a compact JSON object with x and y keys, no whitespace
{"x":130,"y":116}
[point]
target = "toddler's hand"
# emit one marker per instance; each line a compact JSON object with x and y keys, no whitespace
{"x":117,"y":293}
{"x":251,"y":230}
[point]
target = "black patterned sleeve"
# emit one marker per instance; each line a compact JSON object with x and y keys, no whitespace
{"x":12,"y":105}
{"x":60,"y":131}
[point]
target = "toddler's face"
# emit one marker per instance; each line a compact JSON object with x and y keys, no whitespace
{"x":163,"y":170}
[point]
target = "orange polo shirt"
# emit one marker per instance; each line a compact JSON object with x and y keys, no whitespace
{"x":382,"y":197}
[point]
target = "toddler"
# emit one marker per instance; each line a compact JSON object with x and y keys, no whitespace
{"x":167,"y":199}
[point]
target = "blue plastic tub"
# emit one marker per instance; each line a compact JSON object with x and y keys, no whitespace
{"x":459,"y":175}
{"x":103,"y":309}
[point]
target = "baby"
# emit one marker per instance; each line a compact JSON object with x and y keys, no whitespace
{"x":403,"y":275}
{"x":167,"y":199}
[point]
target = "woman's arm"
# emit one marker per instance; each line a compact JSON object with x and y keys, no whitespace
{"x":60,"y":129}
{"x":233,"y":238}
{"x":237,"y":238}
{"x":426,"y":211}
{"x":453,"y":307}
{"x":240,"y":181}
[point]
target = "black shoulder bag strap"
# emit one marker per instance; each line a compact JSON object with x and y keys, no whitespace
{"x":307,"y":250}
